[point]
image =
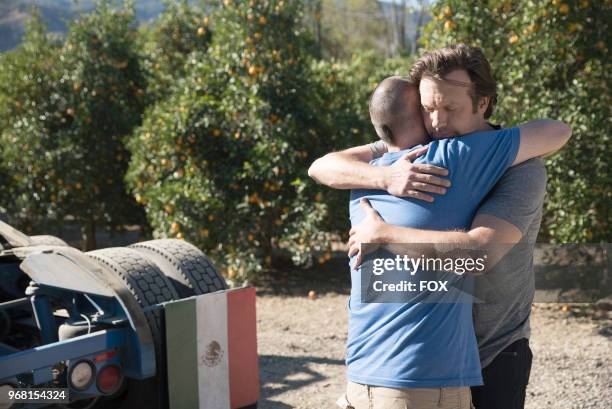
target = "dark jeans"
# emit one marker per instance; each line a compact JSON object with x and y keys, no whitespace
{"x":505,"y":379}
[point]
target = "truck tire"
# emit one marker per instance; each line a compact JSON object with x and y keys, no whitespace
{"x":186,"y":266}
{"x":47,"y":240}
{"x":149,"y":286}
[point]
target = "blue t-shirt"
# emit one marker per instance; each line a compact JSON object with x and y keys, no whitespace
{"x":416,"y":344}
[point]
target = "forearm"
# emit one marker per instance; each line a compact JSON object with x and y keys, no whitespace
{"x":409,"y":235}
{"x":439,"y":244}
{"x":541,"y":138}
{"x":340,"y":171}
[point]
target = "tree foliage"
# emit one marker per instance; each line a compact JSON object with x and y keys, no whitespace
{"x":65,"y":111}
{"x":182,"y":29}
{"x":550,"y":59}
{"x":222,"y":160}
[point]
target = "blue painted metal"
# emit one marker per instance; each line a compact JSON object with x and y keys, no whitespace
{"x":6,"y":349}
{"x":67,"y":274}
{"x":44,"y":318}
{"x":81,"y":275}
{"x":42,"y":375}
{"x":74,"y":348}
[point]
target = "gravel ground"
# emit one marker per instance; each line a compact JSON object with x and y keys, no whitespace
{"x":301,"y":346}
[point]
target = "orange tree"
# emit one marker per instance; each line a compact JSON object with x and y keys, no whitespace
{"x":25,"y":86}
{"x":180,"y":30}
{"x":222,"y":160}
{"x":550,"y":59}
{"x":66,"y":109}
{"x":365,"y":70}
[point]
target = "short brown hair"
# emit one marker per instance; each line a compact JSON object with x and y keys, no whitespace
{"x":438,"y":63}
{"x":388,"y":111}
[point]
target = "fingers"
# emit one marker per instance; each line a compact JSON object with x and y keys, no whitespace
{"x":415,"y":194}
{"x":412,"y":155}
{"x":424,"y":187}
{"x":367,"y":208}
{"x":430,"y":179}
{"x":431,"y":169}
{"x":355,"y":250}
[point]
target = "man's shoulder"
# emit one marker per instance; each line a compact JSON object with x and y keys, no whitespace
{"x":519,"y":195}
{"x":533,"y":168}
{"x":378,"y":149}
{"x":478,"y":140}
{"x":526,"y":179}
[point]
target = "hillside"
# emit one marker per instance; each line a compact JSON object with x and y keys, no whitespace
{"x":56,"y":14}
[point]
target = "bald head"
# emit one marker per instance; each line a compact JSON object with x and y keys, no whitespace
{"x":395,"y":112}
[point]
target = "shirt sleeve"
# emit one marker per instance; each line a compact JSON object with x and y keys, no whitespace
{"x":519,"y":195}
{"x":480,"y":159}
{"x":378,"y":148}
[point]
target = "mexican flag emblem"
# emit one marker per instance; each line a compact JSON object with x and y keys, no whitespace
{"x":211,"y":347}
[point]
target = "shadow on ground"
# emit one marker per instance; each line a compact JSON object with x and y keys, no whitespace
{"x":282,"y":373}
{"x":333,"y":276}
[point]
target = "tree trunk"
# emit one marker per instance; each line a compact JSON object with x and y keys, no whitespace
{"x":88,"y":235}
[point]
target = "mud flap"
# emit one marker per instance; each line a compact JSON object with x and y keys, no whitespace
{"x":211,"y":349}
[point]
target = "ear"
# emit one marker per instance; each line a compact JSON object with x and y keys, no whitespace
{"x":483,"y":104}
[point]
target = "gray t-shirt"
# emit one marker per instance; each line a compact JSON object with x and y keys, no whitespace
{"x":518,"y":198}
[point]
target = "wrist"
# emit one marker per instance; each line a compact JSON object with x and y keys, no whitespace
{"x":382,"y":177}
{"x":397,"y":234}
{"x":384,"y":234}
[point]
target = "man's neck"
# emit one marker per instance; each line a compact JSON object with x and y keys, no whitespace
{"x":407,"y":142}
{"x":484,"y":126}
{"x":481,"y":126}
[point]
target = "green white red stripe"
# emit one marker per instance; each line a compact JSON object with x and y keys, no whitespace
{"x":212,"y":350}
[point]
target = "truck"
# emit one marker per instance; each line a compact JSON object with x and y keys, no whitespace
{"x":92,"y":324}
